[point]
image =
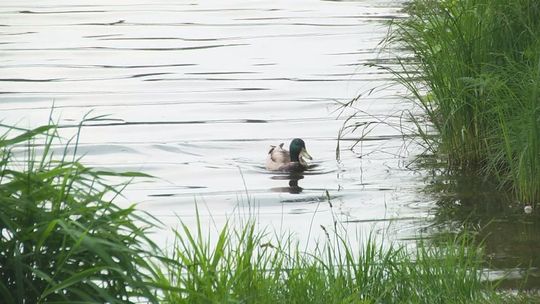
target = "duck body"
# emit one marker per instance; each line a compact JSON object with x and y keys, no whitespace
{"x":279,"y":159}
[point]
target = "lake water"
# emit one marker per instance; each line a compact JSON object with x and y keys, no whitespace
{"x":196,"y":91}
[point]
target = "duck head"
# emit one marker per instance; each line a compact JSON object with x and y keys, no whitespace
{"x":298,"y":151}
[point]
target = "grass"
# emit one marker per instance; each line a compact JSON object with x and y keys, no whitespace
{"x":64,"y":240}
{"x":246,"y":265}
{"x":478,"y":84}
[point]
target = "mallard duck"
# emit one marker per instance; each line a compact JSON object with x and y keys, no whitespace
{"x":280,"y":159}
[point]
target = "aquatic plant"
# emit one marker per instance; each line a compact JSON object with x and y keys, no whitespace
{"x":62,"y":238}
{"x":478,"y":84}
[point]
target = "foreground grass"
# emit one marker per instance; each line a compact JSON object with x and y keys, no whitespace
{"x":64,"y":240}
{"x":245,"y":265}
{"x":61,"y":239}
{"x":479,"y":84}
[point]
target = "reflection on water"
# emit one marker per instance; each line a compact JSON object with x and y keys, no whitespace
{"x":194,"y":94}
{"x":509,"y":236}
{"x":292,"y":178}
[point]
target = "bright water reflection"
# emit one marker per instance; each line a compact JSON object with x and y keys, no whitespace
{"x":197,"y":91}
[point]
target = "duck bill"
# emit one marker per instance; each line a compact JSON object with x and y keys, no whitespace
{"x":305,"y":154}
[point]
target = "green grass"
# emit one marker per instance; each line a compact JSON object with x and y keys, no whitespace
{"x":246,"y":265}
{"x":479,"y":85}
{"x":62,"y":239}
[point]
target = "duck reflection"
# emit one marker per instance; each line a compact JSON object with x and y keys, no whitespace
{"x":293,"y":178}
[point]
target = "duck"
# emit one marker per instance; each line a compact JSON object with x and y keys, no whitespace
{"x":279,"y":159}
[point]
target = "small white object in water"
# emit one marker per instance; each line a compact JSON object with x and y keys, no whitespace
{"x":528,"y":209}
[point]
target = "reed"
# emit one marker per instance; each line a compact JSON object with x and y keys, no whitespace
{"x":478,"y":85}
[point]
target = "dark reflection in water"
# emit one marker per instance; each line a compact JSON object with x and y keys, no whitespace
{"x":510,"y":237}
{"x":293,"y":178}
{"x":315,"y":168}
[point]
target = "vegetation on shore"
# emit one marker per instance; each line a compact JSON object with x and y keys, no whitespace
{"x":64,"y":240}
{"x":476,"y":74}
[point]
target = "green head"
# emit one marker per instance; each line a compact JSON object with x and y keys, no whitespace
{"x":297,"y":150}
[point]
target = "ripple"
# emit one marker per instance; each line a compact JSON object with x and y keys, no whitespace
{"x":30,"y":80}
{"x":105,"y":48}
{"x":200,"y":90}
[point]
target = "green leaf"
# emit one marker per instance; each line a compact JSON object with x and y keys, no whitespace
{"x":74,"y":279}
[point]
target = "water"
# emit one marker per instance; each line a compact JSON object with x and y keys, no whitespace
{"x":195,"y":93}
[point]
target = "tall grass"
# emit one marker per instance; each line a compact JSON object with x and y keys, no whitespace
{"x":62,"y":239}
{"x":246,"y":265}
{"x":479,"y":84}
